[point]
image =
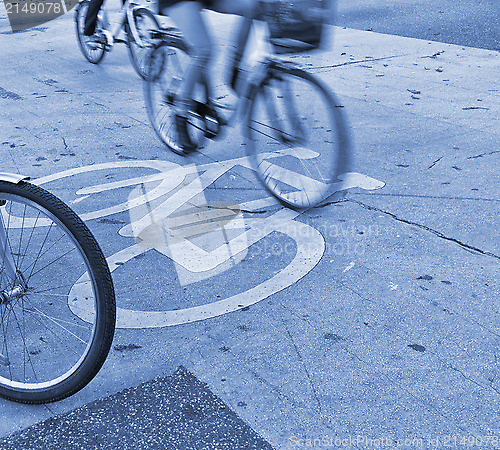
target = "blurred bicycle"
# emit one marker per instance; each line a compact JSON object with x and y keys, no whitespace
{"x":297,"y":136}
{"x":136,"y":21}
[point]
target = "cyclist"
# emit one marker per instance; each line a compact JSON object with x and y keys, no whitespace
{"x":91,"y":17}
{"x":187,"y":16}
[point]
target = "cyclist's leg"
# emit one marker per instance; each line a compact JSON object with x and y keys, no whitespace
{"x":187,"y":16}
{"x":248,"y":9}
{"x":91,"y":17}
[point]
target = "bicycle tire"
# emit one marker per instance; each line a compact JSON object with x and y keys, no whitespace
{"x":291,"y":118}
{"x":138,"y":53}
{"x":166,"y":65}
{"x":92,"y":52}
{"x":48,"y":352}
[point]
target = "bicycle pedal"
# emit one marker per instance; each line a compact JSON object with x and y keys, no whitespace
{"x":211,"y":119}
{"x":95,"y":45}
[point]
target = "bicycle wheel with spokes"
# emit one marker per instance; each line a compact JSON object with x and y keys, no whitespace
{"x":145,"y":23}
{"x":298,"y":139}
{"x":167,"y":64}
{"x":91,"y":50}
{"x":57,"y":304}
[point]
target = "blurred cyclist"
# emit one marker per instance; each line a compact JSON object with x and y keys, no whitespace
{"x":187,"y":16}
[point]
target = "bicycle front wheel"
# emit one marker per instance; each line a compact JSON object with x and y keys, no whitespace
{"x":57,"y":303}
{"x":91,"y":50}
{"x":297,"y":138}
{"x":145,"y":23}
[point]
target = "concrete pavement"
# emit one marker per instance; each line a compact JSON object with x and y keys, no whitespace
{"x":391,"y":334}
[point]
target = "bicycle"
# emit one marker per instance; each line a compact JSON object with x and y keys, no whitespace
{"x":49,"y":350}
{"x":137,"y":21}
{"x":289,"y":115}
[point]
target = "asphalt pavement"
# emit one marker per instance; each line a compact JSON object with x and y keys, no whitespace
{"x":371,"y":322}
{"x":474,"y":23}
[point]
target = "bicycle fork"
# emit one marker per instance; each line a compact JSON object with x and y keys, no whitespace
{"x":9,"y":272}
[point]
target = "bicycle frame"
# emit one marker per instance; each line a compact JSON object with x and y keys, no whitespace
{"x":127,"y":16}
{"x":259,"y":59}
{"x":7,"y":259}
{"x":258,"y":62}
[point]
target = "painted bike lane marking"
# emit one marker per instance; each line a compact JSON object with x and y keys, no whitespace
{"x":182,"y":184}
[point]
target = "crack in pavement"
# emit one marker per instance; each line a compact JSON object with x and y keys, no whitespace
{"x":358,"y":61}
{"x":348,"y":63}
{"x":385,"y":374}
{"x":417,"y":398}
{"x":275,"y":389}
{"x":426,"y":228}
{"x":438,"y":197}
{"x":301,"y":359}
{"x":435,"y":55}
{"x":471,"y":380}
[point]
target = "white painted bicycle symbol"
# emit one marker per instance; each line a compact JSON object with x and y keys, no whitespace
{"x":169,"y":212}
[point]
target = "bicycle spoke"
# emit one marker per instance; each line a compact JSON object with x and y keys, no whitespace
{"x":69,"y":285}
{"x":26,"y":353}
{"x":59,"y":325}
{"x":49,"y":264}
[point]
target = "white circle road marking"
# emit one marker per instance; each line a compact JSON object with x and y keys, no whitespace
{"x":309,"y":253}
{"x":310,"y":243}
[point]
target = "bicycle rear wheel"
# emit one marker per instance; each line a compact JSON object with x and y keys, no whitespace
{"x":167,"y":64}
{"x":57,"y":303}
{"x":297,"y":138}
{"x":91,"y":50}
{"x":145,"y":23}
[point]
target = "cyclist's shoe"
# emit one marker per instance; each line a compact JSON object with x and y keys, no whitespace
{"x":182,"y":132}
{"x":97,"y":40}
{"x":100,"y":39}
{"x":212,"y":121}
